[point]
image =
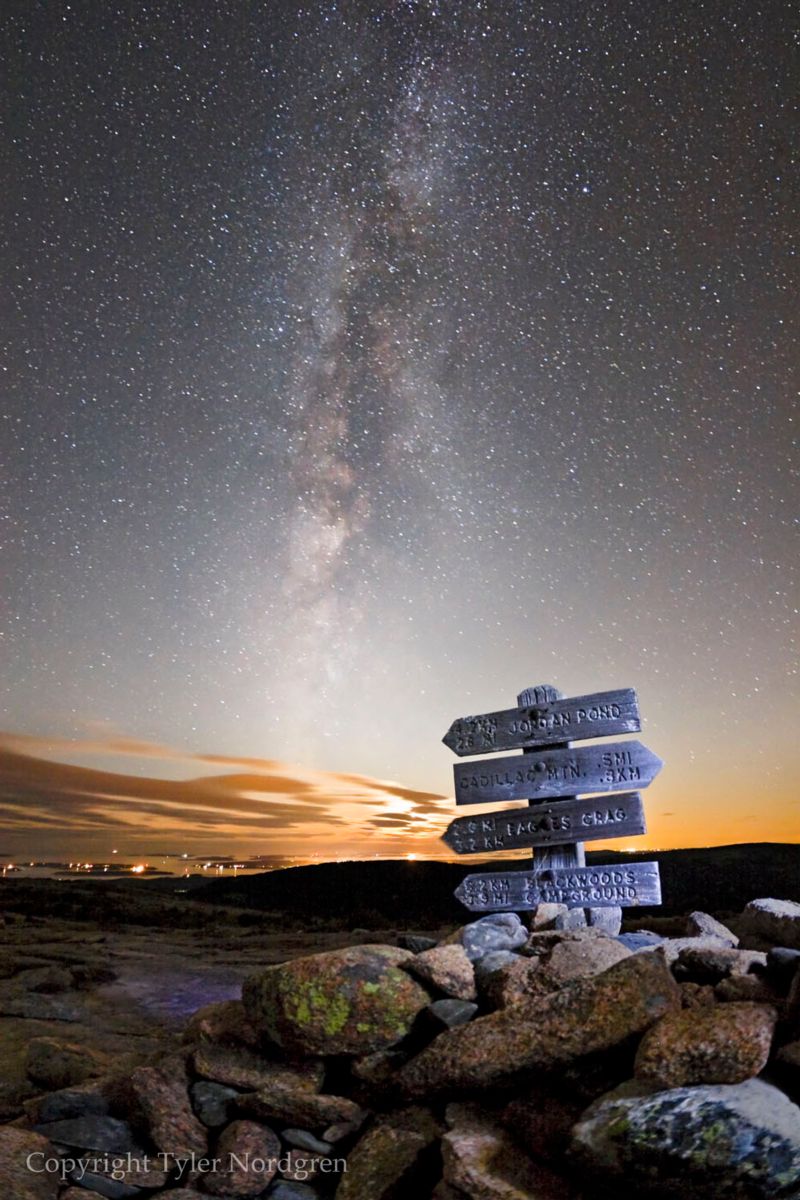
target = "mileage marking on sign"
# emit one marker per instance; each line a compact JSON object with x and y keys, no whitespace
{"x":610,"y":767}
{"x":548,"y":824}
{"x":602,"y":714}
{"x":626,"y":885}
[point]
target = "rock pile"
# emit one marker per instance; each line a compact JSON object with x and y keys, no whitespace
{"x":507,"y":1063}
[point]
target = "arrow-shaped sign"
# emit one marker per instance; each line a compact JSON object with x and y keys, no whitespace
{"x":548,"y":824}
{"x":608,"y":767}
{"x":604,"y":714}
{"x":626,"y":885}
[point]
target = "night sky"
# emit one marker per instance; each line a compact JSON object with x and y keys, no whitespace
{"x":365,"y":363}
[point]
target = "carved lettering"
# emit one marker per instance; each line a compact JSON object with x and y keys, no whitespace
{"x":575,"y":887}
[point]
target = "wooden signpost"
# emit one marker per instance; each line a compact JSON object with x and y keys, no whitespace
{"x":606,"y":768}
{"x":543,"y":726}
{"x":603,"y":715}
{"x":592,"y":887}
{"x":548,"y":824}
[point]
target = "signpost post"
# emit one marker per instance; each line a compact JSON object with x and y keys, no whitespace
{"x":550,"y":774}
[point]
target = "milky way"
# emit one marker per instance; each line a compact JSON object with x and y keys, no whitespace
{"x":367,"y":363}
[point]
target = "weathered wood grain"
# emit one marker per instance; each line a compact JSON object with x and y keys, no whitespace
{"x":608,"y":767}
{"x":546,"y":722}
{"x":571,"y":854}
{"x":620,"y":885}
{"x":545,"y":824}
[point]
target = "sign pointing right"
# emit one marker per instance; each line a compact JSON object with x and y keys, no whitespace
{"x":607,"y":767}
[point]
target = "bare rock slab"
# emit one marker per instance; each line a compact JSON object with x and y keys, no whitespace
{"x":222,"y":1021}
{"x":483,"y":1162}
{"x":17,"y":1180}
{"x":724,"y":1043}
{"x":700,"y":924}
{"x":498,"y":931}
{"x":300,"y":1107}
{"x":349,"y":1001}
{"x":446,"y":969}
{"x":249,"y":1155}
{"x":109,"y":1135}
{"x":161,"y":1095}
{"x":729,"y":1142}
{"x":774,"y":921}
{"x":243,"y":1068}
{"x":54,"y":1064}
{"x":543,"y":1032}
{"x":388,"y":1157}
{"x":711,"y":964}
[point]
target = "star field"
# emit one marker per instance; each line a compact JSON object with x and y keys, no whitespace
{"x":365,"y":363}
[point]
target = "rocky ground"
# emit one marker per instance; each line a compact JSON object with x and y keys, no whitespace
{"x":497,"y":1062}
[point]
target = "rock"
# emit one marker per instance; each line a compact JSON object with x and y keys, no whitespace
{"x":710,"y":964}
{"x":508,"y":982}
{"x":103,"y":1185}
{"x":17,"y":1180}
{"x":241,"y":1067}
{"x":491,"y":962}
{"x":573,"y":918}
{"x":212,"y":1102}
{"x":257,"y":1150}
{"x":31,"y":1006}
{"x":102,"y":1133}
{"x":542,"y":1032}
{"x":298,"y":1106}
{"x":540,"y":944}
{"x":85,"y":1100}
{"x":89,"y":975}
{"x":783,"y":964}
{"x":543,"y":916}
{"x":162,"y":1096}
{"x":445,"y":1014}
{"x":700,"y":924}
{"x":349,"y":1001}
{"x":122,"y":1177}
{"x":643,"y":939}
{"x":379,"y":1069}
{"x":608,"y":919}
{"x":482,"y":1161}
{"x":498,"y":931}
{"x":304,"y":1140}
{"x":724,"y":1044}
{"x":774,"y":921}
{"x":574,"y":959}
{"x":447,"y":969}
{"x":56,"y":1065}
{"x":585,"y":1079}
{"x":46,"y":979}
{"x":672,"y":947}
{"x":185,"y":1193}
{"x":223,"y":1021}
{"x":792,"y":1008}
{"x":283,"y":1189}
{"x":542,"y":1123}
{"x":340,"y":1130}
{"x":389,"y":1157}
{"x":415,"y":943}
{"x":300,"y":1165}
{"x":747,"y":987}
{"x":15,"y":1095}
{"x":730,"y":1142}
{"x":696,"y":995}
